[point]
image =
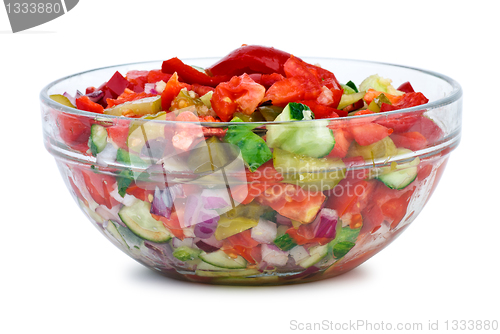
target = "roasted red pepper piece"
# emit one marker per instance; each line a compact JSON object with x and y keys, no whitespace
{"x":251,"y":59}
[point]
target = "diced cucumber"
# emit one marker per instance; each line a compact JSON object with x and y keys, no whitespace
{"x":185,"y":253}
{"x":98,"y":139}
{"x":138,"y":219}
{"x":284,"y":242}
{"x":207,"y":270}
{"x":221,"y":260}
{"x":316,"y":253}
{"x":399,"y":176}
{"x":344,"y":241}
{"x":148,"y":105}
{"x":313,"y":139}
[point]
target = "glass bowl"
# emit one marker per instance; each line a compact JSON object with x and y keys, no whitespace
{"x":201,"y":215}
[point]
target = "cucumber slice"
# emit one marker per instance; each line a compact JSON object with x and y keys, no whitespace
{"x":138,"y":219}
{"x":221,"y":260}
{"x":312,"y":139}
{"x":98,"y":139}
{"x":315,"y":255}
{"x":208,"y":270}
{"x":399,"y":176}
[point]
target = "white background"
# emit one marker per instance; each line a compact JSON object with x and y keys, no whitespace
{"x":59,"y":275}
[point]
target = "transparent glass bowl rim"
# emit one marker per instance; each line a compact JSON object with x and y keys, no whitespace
{"x":454,"y":96}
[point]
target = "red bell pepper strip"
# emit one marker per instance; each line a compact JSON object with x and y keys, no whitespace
{"x":251,"y":59}
{"x":191,"y":75}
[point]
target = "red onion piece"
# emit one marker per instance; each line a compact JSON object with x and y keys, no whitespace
{"x":162,"y":202}
{"x":282,"y":220}
{"x":274,"y":256}
{"x":95,"y":96}
{"x":206,"y":247}
{"x":207,"y":224}
{"x":70,"y":98}
{"x":150,"y":88}
{"x":215,"y":198}
{"x":324,"y":226}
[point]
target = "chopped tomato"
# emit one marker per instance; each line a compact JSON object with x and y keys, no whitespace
{"x":372,"y":94}
{"x":355,"y":106}
{"x":239,"y":94}
{"x":157,"y":75}
{"x":171,"y":91}
{"x":300,"y":84}
{"x":251,"y":59}
{"x":363,"y":112}
{"x":326,"y":77}
{"x":137,"y":80}
{"x":245,"y":193}
{"x":74,"y":131}
{"x":428,"y":128}
{"x":395,"y":208}
{"x":342,"y":142}
{"x":201,"y":90}
{"x":265,"y":173}
{"x":172,"y":224}
{"x":407,"y":100}
{"x":424,"y":170}
{"x":350,"y":196}
{"x":99,"y":186}
{"x":369,"y":133}
{"x":118,"y":132}
{"x":84,"y":103}
{"x":187,"y":135}
{"x":139,"y":192}
{"x":406,"y":87}
{"x":292,"y":201}
{"x":127,"y":96}
{"x":241,"y":239}
{"x":355,"y":170}
{"x":300,"y":239}
{"x":400,"y":123}
{"x":322,"y":111}
{"x":411,"y":140}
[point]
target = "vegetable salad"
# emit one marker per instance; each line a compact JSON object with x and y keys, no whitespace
{"x":242,"y":171}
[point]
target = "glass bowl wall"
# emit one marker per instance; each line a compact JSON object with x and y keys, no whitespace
{"x":216,"y":230}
